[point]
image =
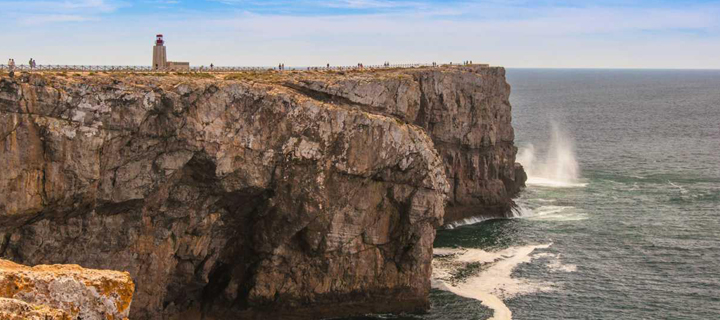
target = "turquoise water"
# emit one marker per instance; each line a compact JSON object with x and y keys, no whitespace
{"x":648,"y":144}
{"x":641,"y":238}
{"x":634,"y":233}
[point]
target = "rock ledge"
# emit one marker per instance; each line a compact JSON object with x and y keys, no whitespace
{"x":64,"y":292}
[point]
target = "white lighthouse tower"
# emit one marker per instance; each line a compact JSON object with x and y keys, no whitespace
{"x":159,"y":54}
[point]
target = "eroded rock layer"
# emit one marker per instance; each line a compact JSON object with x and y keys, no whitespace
{"x":64,"y":292}
{"x":13,"y":309}
{"x":275,"y":195}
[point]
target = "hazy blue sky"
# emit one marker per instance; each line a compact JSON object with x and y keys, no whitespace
{"x":513,"y":33}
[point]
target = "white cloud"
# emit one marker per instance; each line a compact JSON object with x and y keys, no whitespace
{"x":166,"y":2}
{"x":43,"y":12}
{"x":49,"y":18}
{"x":340,"y":4}
{"x":497,"y":33}
{"x":64,"y":5}
{"x":370,"y":4}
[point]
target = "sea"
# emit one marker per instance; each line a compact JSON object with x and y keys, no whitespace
{"x":621,"y":215}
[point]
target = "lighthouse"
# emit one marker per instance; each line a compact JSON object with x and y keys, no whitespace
{"x":160,"y":61}
{"x":159,"y":54}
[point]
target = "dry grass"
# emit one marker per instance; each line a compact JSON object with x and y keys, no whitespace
{"x":139,"y":74}
{"x":255,"y":76}
{"x":197,"y":75}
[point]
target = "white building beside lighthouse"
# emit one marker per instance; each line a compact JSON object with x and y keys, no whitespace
{"x":160,"y":58}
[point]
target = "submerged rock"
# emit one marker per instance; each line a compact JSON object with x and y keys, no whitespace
{"x":289,"y":195}
{"x":64,"y":292}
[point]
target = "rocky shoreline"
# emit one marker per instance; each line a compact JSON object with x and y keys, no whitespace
{"x":256,"y":195}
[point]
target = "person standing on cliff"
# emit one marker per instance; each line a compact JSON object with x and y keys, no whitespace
{"x":11,"y":67}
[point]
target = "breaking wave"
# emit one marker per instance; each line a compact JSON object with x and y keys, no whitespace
{"x":559,"y":167}
{"x":487,"y":276}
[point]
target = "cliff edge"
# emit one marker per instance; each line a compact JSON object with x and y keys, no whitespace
{"x":257,"y":194}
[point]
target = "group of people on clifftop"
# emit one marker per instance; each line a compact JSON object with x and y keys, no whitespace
{"x":11,"y":66}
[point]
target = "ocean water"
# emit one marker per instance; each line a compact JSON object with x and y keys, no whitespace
{"x":621,"y":216}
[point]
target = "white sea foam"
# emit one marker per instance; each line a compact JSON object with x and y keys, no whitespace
{"x":554,"y":262}
{"x":680,"y":188}
{"x":494,"y":283}
{"x":552,"y":183}
{"x":517,"y":212}
{"x":521,"y":211}
{"x":549,"y":213}
{"x":556,"y":213}
{"x":548,"y":210}
{"x":466,"y":221}
{"x":559,"y":168}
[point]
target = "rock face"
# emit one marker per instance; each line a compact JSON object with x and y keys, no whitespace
{"x":278,"y":195}
{"x":12,"y":309}
{"x":64,"y":292}
{"x":466,"y":111}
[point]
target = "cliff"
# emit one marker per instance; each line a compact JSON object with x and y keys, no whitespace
{"x":259,"y":195}
{"x":465,"y":110}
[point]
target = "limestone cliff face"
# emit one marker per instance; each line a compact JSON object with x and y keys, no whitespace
{"x":465,"y":110}
{"x":269,"y":196}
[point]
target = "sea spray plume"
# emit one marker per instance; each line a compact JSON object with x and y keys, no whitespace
{"x":559,"y":167}
{"x":561,"y":164}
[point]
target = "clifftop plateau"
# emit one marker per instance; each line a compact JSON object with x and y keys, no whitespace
{"x":257,"y":195}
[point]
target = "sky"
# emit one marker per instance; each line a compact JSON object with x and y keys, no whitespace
{"x":682,"y":34}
